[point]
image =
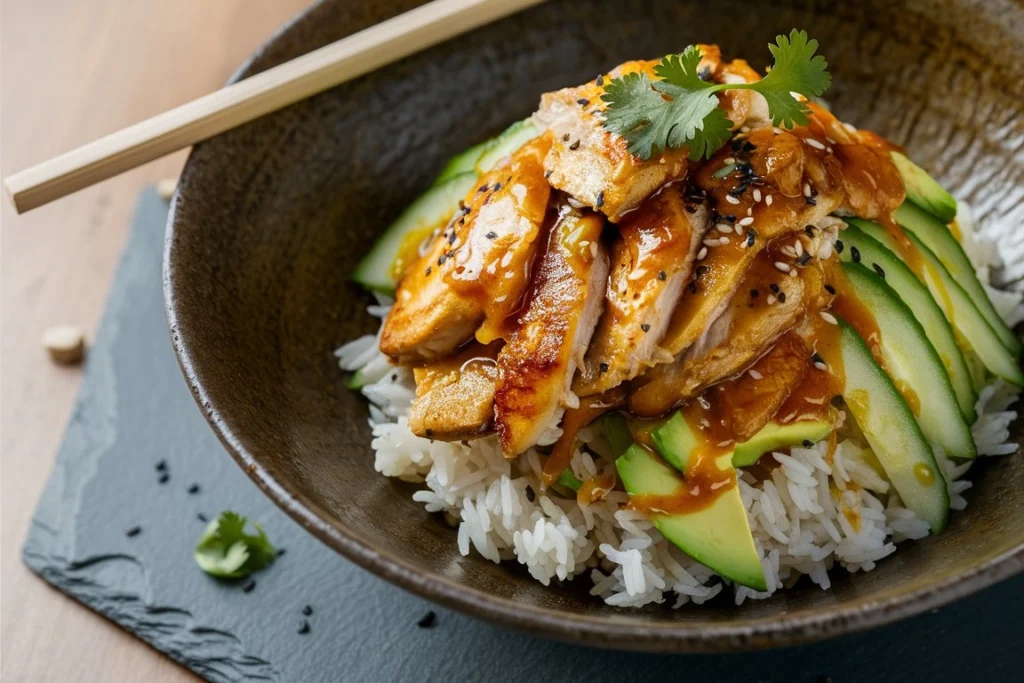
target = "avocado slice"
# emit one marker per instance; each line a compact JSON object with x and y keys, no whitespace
{"x":774,"y":436}
{"x":891,"y":430}
{"x":923,"y":190}
{"x":569,"y":480}
{"x":718,"y":535}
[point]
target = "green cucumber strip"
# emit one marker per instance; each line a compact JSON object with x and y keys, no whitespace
{"x":433,"y":209}
{"x":891,"y":431}
{"x":923,"y":190}
{"x":569,"y":480}
{"x":507,"y":142}
{"x":463,"y":162}
{"x":913,"y":363}
{"x":937,"y":237}
{"x":960,"y":311}
{"x":356,"y":381}
{"x":917,"y":297}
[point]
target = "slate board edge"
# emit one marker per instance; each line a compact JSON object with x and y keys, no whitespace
{"x":211,"y":653}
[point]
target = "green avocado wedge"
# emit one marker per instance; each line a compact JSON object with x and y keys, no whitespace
{"x":923,"y":190}
{"x":774,"y":436}
{"x":959,"y":310}
{"x":891,"y":430}
{"x":917,"y":297}
{"x":913,"y":364}
{"x":936,"y":236}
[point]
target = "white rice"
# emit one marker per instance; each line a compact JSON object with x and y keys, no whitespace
{"x":806,"y":519}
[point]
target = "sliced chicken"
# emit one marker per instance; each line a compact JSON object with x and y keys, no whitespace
{"x":593,"y":166}
{"x":652,"y":258}
{"x":536,"y":366}
{"x":455,"y":396}
{"x":767,"y":305}
{"x":474,"y":274}
{"x":775,"y":186}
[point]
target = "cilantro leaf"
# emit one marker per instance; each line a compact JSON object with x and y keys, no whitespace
{"x":679,"y":109}
{"x":226,"y":551}
{"x":796,"y":69}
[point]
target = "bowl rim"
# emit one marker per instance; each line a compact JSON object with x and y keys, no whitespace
{"x":618,"y":632}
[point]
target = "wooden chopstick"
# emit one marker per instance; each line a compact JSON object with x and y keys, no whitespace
{"x":253,"y":97}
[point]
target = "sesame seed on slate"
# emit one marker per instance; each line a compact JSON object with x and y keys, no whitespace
{"x":839,"y":246}
{"x":134,"y":531}
{"x":201,"y":517}
{"x":855,"y":254}
{"x":164,"y":478}
{"x":247,"y":588}
{"x":281,"y":551}
{"x":307,"y":610}
{"x":662,"y":275}
{"x":428,"y":620}
{"x":645,"y":327}
{"x":575,"y":146}
{"x":600,"y":199}
{"x":304,"y":629}
{"x":193,"y":489}
{"x":161,"y":466}
{"x":878,"y":269}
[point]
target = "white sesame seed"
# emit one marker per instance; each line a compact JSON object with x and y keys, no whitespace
{"x":829,"y":318}
{"x":732,"y":200}
{"x":755,"y":374}
{"x":789,"y":251}
{"x":784,"y":267}
{"x":746,"y":221}
{"x":744,"y":129}
{"x":723,"y":227}
{"x":776,"y":129}
{"x":584,"y":244}
{"x":820,"y":365}
{"x":849,"y":128}
{"x":711,"y":242}
{"x":798,"y":246}
{"x":792,"y":273}
{"x":593,"y":249}
{"x":757,"y":195}
{"x":829,"y":150}
{"x":702,"y":253}
{"x":738,"y":230}
{"x":750,"y":211}
{"x":814,"y":143}
{"x":807,"y":189}
{"x":729,"y":160}
{"x":771,"y":299}
{"x":768,"y":200}
{"x":723,"y":240}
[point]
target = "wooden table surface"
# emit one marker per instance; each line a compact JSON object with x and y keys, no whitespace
{"x":73,"y":70}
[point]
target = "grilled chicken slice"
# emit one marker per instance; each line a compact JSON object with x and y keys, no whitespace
{"x":737,"y":338}
{"x":536,"y":366}
{"x":455,"y":396}
{"x":476,"y":271}
{"x":785,"y":185}
{"x":652,"y":258}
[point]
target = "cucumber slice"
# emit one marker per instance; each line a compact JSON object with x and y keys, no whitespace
{"x":917,"y":297}
{"x":891,"y":431}
{"x":960,"y":311}
{"x":507,"y":142}
{"x":937,"y":237}
{"x":913,"y":364}
{"x":923,"y":190}
{"x":433,"y":209}
{"x":463,"y":162}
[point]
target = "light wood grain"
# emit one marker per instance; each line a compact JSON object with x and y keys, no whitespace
{"x":73,"y":70}
{"x":241,"y":102}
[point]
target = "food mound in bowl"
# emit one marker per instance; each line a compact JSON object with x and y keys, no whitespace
{"x":685,"y":329}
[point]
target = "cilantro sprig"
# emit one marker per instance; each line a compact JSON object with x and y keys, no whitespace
{"x":226,"y":551}
{"x":680,"y":109}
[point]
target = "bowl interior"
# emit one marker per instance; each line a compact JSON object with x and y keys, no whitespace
{"x":270,"y":219}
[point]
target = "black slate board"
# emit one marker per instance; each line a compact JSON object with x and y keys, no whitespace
{"x":135,"y":411}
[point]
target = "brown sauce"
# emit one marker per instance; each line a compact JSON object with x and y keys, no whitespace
{"x":596,"y":488}
{"x":700,"y":487}
{"x":575,"y":419}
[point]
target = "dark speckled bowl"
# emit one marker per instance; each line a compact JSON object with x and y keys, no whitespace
{"x":270,"y":219}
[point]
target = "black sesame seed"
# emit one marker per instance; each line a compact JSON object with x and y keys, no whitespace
{"x":830,"y":289}
{"x":497,"y":186}
{"x":704,"y":73}
{"x":428,"y":620}
{"x":547,"y":174}
{"x":304,"y":629}
{"x":730,"y":218}
{"x":193,"y":489}
{"x":662,"y":275}
{"x":531,"y":495}
{"x":855,"y":254}
{"x":774,"y":287}
{"x":583,"y":101}
{"x":804,"y":259}
{"x":782,"y":297}
{"x":134,"y":531}
{"x":600,"y":199}
{"x":603,"y":367}
{"x":839,"y":246}
{"x":808,"y":443}
{"x":692,"y":286}
{"x":645,"y":327}
{"x":482,"y":188}
{"x":690,"y":208}
{"x":161,"y":466}
{"x":575,"y":146}
{"x":878,"y":269}
{"x":307,"y":610}
{"x":701,"y":270}
{"x":491,"y":235}
{"x":809,"y":229}
{"x":281,"y":551}
{"x":247,"y":588}
{"x":749,"y":146}
{"x":441,"y":259}
{"x":451,"y":237}
{"x":462,"y":205}
{"x":428,"y":271}
{"x":817,"y":358}
{"x":751,"y":237}
{"x":201,"y":517}
{"x":430,"y":433}
{"x":599,"y":81}
{"x":164,"y":478}
{"x":754,"y":293}
{"x":565,"y":138}
{"x":811,"y":200}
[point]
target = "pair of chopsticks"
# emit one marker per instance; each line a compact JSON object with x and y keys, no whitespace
{"x":241,"y":102}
